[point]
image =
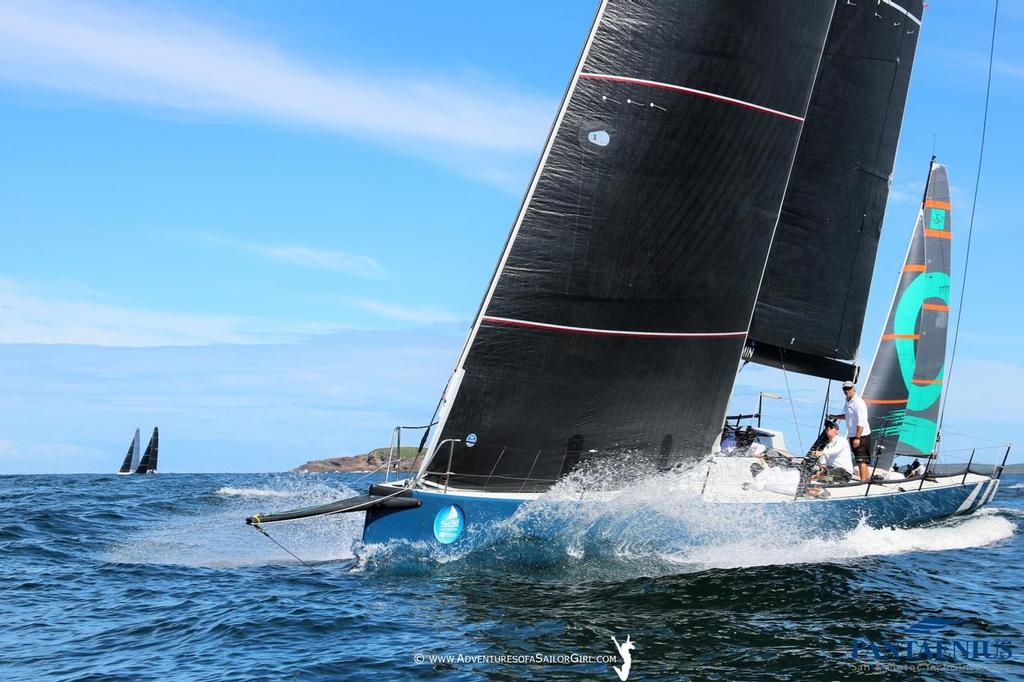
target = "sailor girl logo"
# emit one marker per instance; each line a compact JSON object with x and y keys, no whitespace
{"x":448,"y":524}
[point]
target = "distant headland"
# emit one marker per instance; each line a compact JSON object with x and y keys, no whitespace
{"x":372,"y":460}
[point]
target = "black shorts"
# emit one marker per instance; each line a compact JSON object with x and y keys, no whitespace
{"x":862,"y":454}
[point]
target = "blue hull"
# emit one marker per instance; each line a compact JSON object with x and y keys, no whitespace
{"x":448,"y":518}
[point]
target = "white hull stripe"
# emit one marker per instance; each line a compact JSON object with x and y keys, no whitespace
{"x":612,"y":332}
{"x":970,"y":499}
{"x":691,"y":91}
{"x":902,"y":11}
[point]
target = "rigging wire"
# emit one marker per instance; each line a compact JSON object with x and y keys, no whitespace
{"x":974,"y":206}
{"x":796,"y":424}
{"x":260,"y":529}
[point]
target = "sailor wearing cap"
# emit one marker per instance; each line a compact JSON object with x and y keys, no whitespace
{"x":857,"y":428}
{"x":835,"y":456}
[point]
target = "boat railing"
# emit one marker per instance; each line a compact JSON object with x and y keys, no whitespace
{"x":521,"y":470}
{"x":451,"y":453}
{"x":396,"y":449}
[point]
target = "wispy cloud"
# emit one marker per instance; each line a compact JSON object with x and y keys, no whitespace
{"x":116,"y":52}
{"x":405,"y":313}
{"x":28,"y":318}
{"x":1014,"y":70}
{"x":305,"y":256}
{"x":902,"y":192}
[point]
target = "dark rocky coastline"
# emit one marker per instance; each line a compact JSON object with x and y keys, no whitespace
{"x":372,"y":460}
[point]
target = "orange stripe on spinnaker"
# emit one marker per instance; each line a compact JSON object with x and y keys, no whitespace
{"x":884,"y":402}
{"x":938,"y":234}
{"x":915,"y":267}
{"x":890,"y":337}
{"x":932,"y":203}
{"x":927,"y":382}
{"x":935,"y":306}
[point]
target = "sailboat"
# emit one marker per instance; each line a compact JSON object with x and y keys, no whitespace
{"x":903,"y":391}
{"x":705,"y":172}
{"x":131,"y":459}
{"x":147,"y":465}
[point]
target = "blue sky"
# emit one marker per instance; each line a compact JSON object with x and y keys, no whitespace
{"x":266,"y":227}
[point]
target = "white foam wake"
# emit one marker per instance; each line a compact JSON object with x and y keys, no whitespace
{"x":228,"y":491}
{"x":864,"y":541}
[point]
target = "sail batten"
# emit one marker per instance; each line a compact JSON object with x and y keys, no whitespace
{"x":830,"y":224}
{"x":619,"y":307}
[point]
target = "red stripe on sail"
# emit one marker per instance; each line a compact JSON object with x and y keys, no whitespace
{"x":691,"y":91}
{"x":611,"y":332}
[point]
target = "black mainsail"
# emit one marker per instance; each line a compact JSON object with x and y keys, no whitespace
{"x":831,"y":220}
{"x":149,"y":459}
{"x":904,"y":387}
{"x":620,"y":305}
{"x":131,"y":458}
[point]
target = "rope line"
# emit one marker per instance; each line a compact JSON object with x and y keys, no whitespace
{"x":260,"y":529}
{"x":974,"y":206}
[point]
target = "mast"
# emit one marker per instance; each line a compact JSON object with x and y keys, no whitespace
{"x":831,"y":221}
{"x":623,"y":296}
{"x":904,"y":386}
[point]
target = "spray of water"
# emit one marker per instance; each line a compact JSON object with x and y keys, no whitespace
{"x":605,"y":523}
{"x":212,"y":533}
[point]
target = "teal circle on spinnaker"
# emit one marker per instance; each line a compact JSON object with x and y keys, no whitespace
{"x":448,"y":524}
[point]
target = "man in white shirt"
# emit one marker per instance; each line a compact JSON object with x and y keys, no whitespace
{"x":835,"y":456}
{"x":857,"y":428}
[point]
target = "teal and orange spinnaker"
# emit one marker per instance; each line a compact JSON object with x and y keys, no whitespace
{"x":904,"y":386}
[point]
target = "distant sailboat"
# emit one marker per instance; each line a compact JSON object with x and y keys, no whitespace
{"x":148,"y":463}
{"x":131,"y":459}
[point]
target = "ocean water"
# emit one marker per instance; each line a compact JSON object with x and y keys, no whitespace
{"x":157,"y":578}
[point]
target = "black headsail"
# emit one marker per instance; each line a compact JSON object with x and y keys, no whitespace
{"x":810,"y":311}
{"x":618,"y":310}
{"x":149,"y":458}
{"x":904,"y":387}
{"x":131,"y":458}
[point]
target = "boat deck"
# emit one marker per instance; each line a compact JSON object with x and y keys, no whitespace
{"x":729,"y":479}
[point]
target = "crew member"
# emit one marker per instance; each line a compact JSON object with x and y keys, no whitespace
{"x":857,"y":428}
{"x":835,"y":457}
